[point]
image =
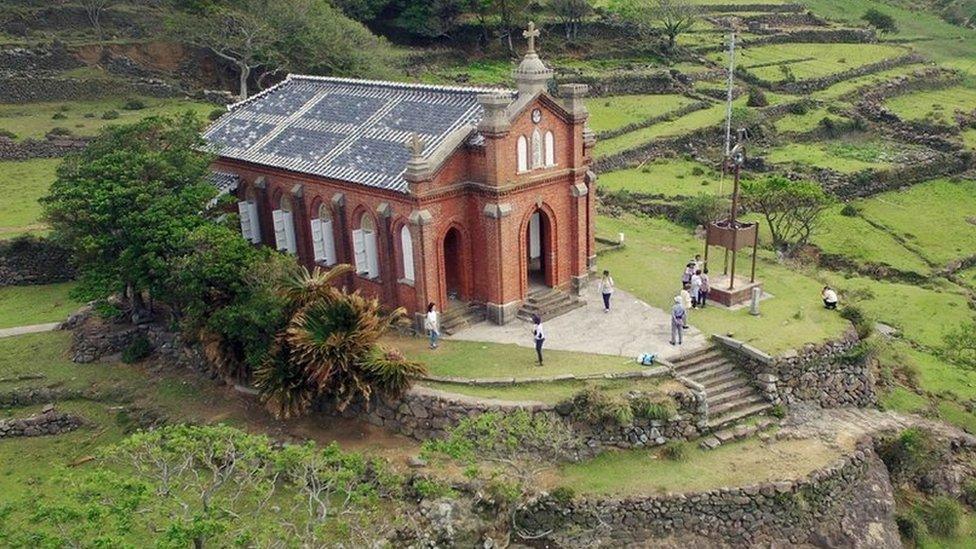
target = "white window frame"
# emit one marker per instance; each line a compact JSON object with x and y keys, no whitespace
{"x":406,"y":249}
{"x":323,"y":241}
{"x":365,"y":250}
{"x":284,"y":227}
{"x":522,"y":154}
{"x":250,"y":222}
{"x":550,"y":149}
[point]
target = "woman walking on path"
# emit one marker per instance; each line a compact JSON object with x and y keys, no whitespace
{"x":705,"y":288}
{"x":606,"y":290}
{"x":538,"y":335}
{"x":677,"y":322}
{"x":432,"y":325}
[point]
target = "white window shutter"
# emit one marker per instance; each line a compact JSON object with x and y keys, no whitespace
{"x":281,"y":239}
{"x":371,"y":255}
{"x":535,"y":236}
{"x":328,"y":242}
{"x":245,"y":213}
{"x":317,"y":245}
{"x":359,"y":251}
{"x":522,"y":153}
{"x":290,"y":233}
{"x":406,"y":247}
{"x":252,"y":208}
{"x":550,"y":149}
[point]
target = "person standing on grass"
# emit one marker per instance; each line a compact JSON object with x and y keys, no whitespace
{"x":686,"y":275}
{"x":606,"y":290}
{"x":539,"y":335}
{"x":829,"y":297}
{"x":705,"y":288}
{"x":696,"y":282}
{"x":432,"y":325}
{"x":678,"y":322}
{"x":697,"y":262}
{"x":685,"y":296}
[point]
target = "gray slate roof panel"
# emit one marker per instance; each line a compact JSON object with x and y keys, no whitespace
{"x":352,"y":130}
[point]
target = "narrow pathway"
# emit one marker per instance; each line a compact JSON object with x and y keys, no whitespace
{"x":847,"y":425}
{"x":32,"y":329}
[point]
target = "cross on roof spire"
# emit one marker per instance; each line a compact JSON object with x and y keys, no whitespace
{"x":416,"y":144}
{"x":530,"y":33}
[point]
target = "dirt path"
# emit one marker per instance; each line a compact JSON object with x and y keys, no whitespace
{"x":32,"y":329}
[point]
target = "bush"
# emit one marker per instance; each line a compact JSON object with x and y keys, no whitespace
{"x":911,"y":527}
{"x":701,"y":209}
{"x":910,"y":454}
{"x":881,"y":21}
{"x":959,"y":346}
{"x":969,"y":492}
{"x":59,"y":131}
{"x":942,"y":516}
{"x":8,"y":134}
{"x":857,"y":354}
{"x":800,"y":107}
{"x":778,"y":411}
{"x":110,"y":115}
{"x":595,"y":406}
{"x":697,"y":170}
{"x":862,"y":324}
{"x":59,"y":116}
{"x":89,"y":115}
{"x":850,"y":210}
{"x":757,"y":98}
{"x":675,"y":451}
{"x":216,"y":113}
{"x":643,"y":407}
{"x":563,"y":494}
{"x":139,"y":349}
{"x":134,"y":105}
{"x":828,"y":125}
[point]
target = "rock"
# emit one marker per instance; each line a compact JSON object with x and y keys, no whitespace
{"x":416,"y":462}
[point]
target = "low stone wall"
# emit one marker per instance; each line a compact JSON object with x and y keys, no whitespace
{"x":31,"y":260}
{"x":54,"y":58}
{"x":661,"y":82}
{"x":872,"y":182}
{"x":29,"y":88}
{"x":814,"y":84}
{"x":820,"y":374}
{"x":50,"y":147}
{"x":795,"y":511}
{"x":48,"y":422}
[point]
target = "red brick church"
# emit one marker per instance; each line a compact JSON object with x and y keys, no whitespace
{"x":434,"y":193}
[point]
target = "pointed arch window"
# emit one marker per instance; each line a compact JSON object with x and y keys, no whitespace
{"x":284,"y":227}
{"x":364,"y":248}
{"x":523,"y":154}
{"x":550,"y":149}
{"x":323,"y":237}
{"x":406,"y":249}
{"x":536,"y":149}
{"x":250,"y":222}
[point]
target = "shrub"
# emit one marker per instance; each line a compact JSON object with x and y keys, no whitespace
{"x":8,"y":134}
{"x":850,"y":210}
{"x":857,"y":354}
{"x":89,"y":115}
{"x":910,"y":454}
{"x":788,"y":75}
{"x":110,"y":115}
{"x":778,"y":411}
{"x":563,"y":494}
{"x":942,"y":516}
{"x":862,"y":324}
{"x":800,"y":107}
{"x":881,"y":21}
{"x":59,"y":131}
{"x":911,"y":527}
{"x":697,"y":170}
{"x":675,"y":451}
{"x":643,"y":407}
{"x":969,"y":492}
{"x":134,"y":105}
{"x":59,"y":116}
{"x":216,"y":113}
{"x":701,"y":209}
{"x":64,"y":108}
{"x":828,"y":125}
{"x":757,"y":98}
{"x":139,"y":349}
{"x":959,"y":346}
{"x":428,"y":488}
{"x":595,"y":406}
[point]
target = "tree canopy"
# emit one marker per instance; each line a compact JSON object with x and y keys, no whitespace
{"x":792,"y":209}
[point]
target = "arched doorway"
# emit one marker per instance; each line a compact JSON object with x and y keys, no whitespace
{"x":538,"y":250}
{"x":453,"y":261}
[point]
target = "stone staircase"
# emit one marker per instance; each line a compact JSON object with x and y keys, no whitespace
{"x":548,"y":303}
{"x":461,"y":315}
{"x":732,"y":398}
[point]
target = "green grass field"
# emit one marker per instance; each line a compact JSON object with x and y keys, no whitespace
{"x":849,"y":154}
{"x":34,"y":120}
{"x":609,"y":113}
{"x":650,"y":265}
{"x":861,"y":242}
{"x":21,"y":185}
{"x":667,"y":176}
{"x":969,"y":138}
{"x":826,"y":59}
{"x":25,"y":305}
{"x":937,"y":106}
{"x":848,"y":86}
{"x":801,"y":123}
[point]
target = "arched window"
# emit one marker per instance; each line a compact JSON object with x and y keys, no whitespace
{"x":523,"y":154}
{"x":323,"y":239}
{"x":250,"y":222}
{"x":364,"y":248}
{"x":550,"y":149}
{"x":284,"y":226}
{"x":406,"y":248}
{"x":536,"y":149}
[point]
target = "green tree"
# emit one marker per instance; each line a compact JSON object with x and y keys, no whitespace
{"x":880,"y":20}
{"x":571,"y":13}
{"x":671,"y":18}
{"x":792,"y":209}
{"x":126,"y":204}
{"x":959,"y":346}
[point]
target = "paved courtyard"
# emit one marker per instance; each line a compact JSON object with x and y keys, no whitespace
{"x":632,"y":327}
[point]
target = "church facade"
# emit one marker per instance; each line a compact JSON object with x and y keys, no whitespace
{"x":433,"y":193}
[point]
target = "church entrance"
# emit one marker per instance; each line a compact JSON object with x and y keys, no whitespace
{"x":537,"y":250}
{"x":453,"y":277}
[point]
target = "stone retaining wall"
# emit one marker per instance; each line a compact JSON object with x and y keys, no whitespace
{"x":655,"y":83}
{"x":30,"y":88}
{"x":54,"y":58}
{"x":797,"y":511}
{"x":821,"y":374}
{"x":50,"y":147}
{"x":31,"y":260}
{"x":815,"y":84}
{"x":48,"y":422}
{"x":871,"y":182}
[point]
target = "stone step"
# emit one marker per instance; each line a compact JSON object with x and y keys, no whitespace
{"x":728,"y":395}
{"x":546,"y":298}
{"x":463,"y":318}
{"x":707,"y":377}
{"x":736,"y":404}
{"x":697,"y":357}
{"x":723,"y":420}
{"x":458,"y":311}
{"x":733,"y":380}
{"x":551,"y":312}
{"x":735,"y":432}
{"x":700,"y":367}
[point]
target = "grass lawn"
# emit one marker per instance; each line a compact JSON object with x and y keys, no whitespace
{"x":25,"y":305}
{"x":846,"y":155}
{"x":650,"y":265}
{"x":473,"y":359}
{"x":687,"y":123}
{"x":852,"y":84}
{"x":21,"y":184}
{"x":609,"y":113}
{"x":904,"y":400}
{"x":969,"y":138}
{"x":968,"y":277}
{"x":858,"y":240}
{"x":801,"y":123}
{"x":667,"y":176}
{"x":936,"y":218}
{"x":558,"y":391}
{"x":85,"y":117}
{"x":826,"y":59}
{"x":934,"y":374}
{"x":934,"y":105}
{"x":748,"y":462}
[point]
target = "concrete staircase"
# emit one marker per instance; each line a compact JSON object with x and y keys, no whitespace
{"x":461,"y":315}
{"x":731,"y":397}
{"x":548,"y":303}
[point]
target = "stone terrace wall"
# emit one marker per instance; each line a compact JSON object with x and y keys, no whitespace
{"x":30,"y":260}
{"x":814,"y":84}
{"x":656,"y":83}
{"x":756,"y":515}
{"x":50,"y":147}
{"x":54,"y":58}
{"x":872,"y":182}
{"x":28,"y":88}
{"x":818,"y":373}
{"x":48,"y":422}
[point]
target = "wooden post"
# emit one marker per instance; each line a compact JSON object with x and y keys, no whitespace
{"x":755,"y":245}
{"x":732,"y":275}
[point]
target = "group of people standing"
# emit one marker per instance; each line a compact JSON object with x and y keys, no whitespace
{"x":693,"y":295}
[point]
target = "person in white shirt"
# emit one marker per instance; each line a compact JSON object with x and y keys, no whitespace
{"x":829,"y":297}
{"x":705,"y":288}
{"x":686,"y":302}
{"x":696,"y":284}
{"x":432,"y":325}
{"x":539,"y":335}
{"x":606,"y":290}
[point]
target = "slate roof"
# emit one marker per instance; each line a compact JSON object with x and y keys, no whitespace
{"x":351,"y":130}
{"x":224,"y":183}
